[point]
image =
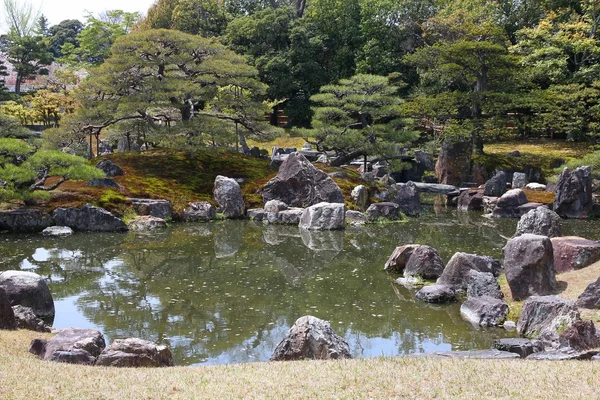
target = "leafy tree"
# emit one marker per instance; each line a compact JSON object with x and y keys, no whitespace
{"x":65,"y":32}
{"x":20,"y":16}
{"x":359,"y":116}
{"x":175,"y":82}
{"x":28,"y":56}
{"x":207,"y":18}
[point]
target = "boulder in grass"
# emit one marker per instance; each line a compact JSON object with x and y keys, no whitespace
{"x":436,"y":294}
{"x":311,"y":338}
{"x":7,"y":315}
{"x":546,"y":316}
{"x":228,"y":195}
{"x":109,"y":168}
{"x":573,"y":193}
{"x":540,"y":221}
{"x":28,"y":289}
{"x":580,"y":336}
{"x":324,"y":217}
{"x":572,"y":252}
{"x":135,"y":352}
{"x":529,"y":266}
{"x":590,"y":298}
{"x":69,"y":345}
{"x":484,"y":311}
{"x":26,"y":319}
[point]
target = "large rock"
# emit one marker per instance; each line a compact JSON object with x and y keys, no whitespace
{"x":324,"y":217}
{"x":7,"y":315}
{"x":407,"y":197}
{"x":590,"y":298}
{"x":135,"y":352}
{"x":529,"y":266}
{"x":29,"y":290}
{"x":483,"y":284}
{"x":572,"y":252}
{"x":580,"y":336}
{"x":399,"y":258}
{"x":573,"y":193}
{"x":228,"y":195}
{"x":360,"y":197}
{"x":89,"y":218}
{"x":484,"y":311}
{"x":69,"y":345}
{"x":508,"y":204}
{"x":496,"y":186}
{"x":109,"y":168}
{"x":519,"y":180}
{"x":424,"y":262}
{"x":158,"y":208}
{"x":385,"y":210}
{"x":26,"y":319}
{"x":436,"y":294}
{"x":199,"y":211}
{"x":546,"y":316}
{"x":313,"y":339}
{"x":541,"y":221}
{"x":456,"y":273}
{"x":146,"y":223}
{"x":452,"y":159}
{"x":300,"y":184}
{"x":521,"y":346}
{"x":470,"y":200}
{"x":290,"y":216}
{"x":25,"y":220}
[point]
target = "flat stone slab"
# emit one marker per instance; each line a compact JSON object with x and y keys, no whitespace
{"x":560,"y":356}
{"x":521,"y":346}
{"x":435,"y":188}
{"x":491,"y":354}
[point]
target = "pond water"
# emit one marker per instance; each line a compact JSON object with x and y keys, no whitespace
{"x":226,"y":292}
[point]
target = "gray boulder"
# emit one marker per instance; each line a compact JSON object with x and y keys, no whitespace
{"x":519,"y":180}
{"x":573,"y":193}
{"x":89,"y":218}
{"x":385,"y":210}
{"x":109,"y":168}
{"x":58,"y":231}
{"x":290,"y":216}
{"x":256,"y":214}
{"x":529,"y":266}
{"x":228,"y":195}
{"x":324,"y":217}
{"x":29,"y":290}
{"x":508,"y":204}
{"x":275,"y":206}
{"x":135,"y":352}
{"x":104,"y":182}
{"x":573,"y":252}
{"x":399,"y":258}
{"x":470,"y":200}
{"x":158,"y":208}
{"x":26,"y":319}
{"x":546,"y":316}
{"x":356,"y":218}
{"x":311,"y":338}
{"x":456,"y":272}
{"x":483,"y":284}
{"x":407,"y":197}
{"x":484,"y":311}
{"x":146,"y":223}
{"x":590,"y":298}
{"x":541,"y":221}
{"x":521,"y":346}
{"x":7,"y":315}
{"x":360,"y":197}
{"x":580,"y":336}
{"x":25,"y":220}
{"x":69,"y":345}
{"x":199,"y":211}
{"x":496,"y":186}
{"x":424,"y":262}
{"x":300,"y":184}
{"x":436,"y":294}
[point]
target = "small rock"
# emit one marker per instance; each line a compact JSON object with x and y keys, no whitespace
{"x":385,"y":210}
{"x":287,"y":217}
{"x":26,"y":319}
{"x":275,"y":206}
{"x":104,"y":182}
{"x":68,"y":340}
{"x":546,"y":315}
{"x":425,"y":262}
{"x":397,"y":261}
{"x":158,"y":208}
{"x":484,"y":311}
{"x":508,"y":204}
{"x":407,"y":197}
{"x":59,"y":231}
{"x":436,"y":294}
{"x":199,"y":211}
{"x":590,"y":298}
{"x":356,"y":218}
{"x":496,"y":186}
{"x":256,"y":214}
{"x":573,"y":193}
{"x":7,"y":315}
{"x":470,"y":200}
{"x":146,"y":223}
{"x":536,"y":187}
{"x":522,"y":347}
{"x":510,"y":326}
{"x":360,"y":197}
{"x":519,"y":180}
{"x":456,"y":272}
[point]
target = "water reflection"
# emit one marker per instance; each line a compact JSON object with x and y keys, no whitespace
{"x":227,"y":291}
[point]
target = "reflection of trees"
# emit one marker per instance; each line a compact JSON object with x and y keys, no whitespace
{"x":174,"y":286}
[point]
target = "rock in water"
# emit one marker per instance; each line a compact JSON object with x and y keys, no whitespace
{"x":546,"y":315}
{"x":529,"y":266}
{"x":541,"y":221}
{"x":158,"y":208}
{"x":25,"y":220}
{"x":311,"y":338}
{"x":399,"y":258}
{"x":59,"y":231}
{"x":407,"y":197}
{"x":456,"y":273}
{"x":7,"y":316}
{"x":199,"y":211}
{"x":436,"y":294}
{"x":324,"y":217}
{"x":572,"y":252}
{"x":89,"y":218}
{"x":146,"y":223}
{"x":135,"y":352}
{"x":484,"y":311}
{"x":508,"y":204}
{"x":573,"y":194}
{"x":300,"y":184}
{"x":356,"y":218}
{"x":29,"y":290}
{"x":385,"y":210}
{"x":483,"y":284}
{"x":496,"y":186}
{"x":470,"y":200}
{"x":590,"y":298}
{"x":228,"y":195}
{"x":109,"y":168}
{"x":424,"y":262}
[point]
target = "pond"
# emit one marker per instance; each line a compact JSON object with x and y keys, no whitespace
{"x":226,"y":292}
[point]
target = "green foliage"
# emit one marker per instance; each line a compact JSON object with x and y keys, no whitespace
{"x":10,"y":127}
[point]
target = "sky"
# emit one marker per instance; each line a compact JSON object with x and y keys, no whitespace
{"x":59,"y":10}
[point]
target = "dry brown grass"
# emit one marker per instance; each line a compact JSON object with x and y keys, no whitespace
{"x":22,"y":376}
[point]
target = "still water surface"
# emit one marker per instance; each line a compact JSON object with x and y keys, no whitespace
{"x":226,"y":292}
